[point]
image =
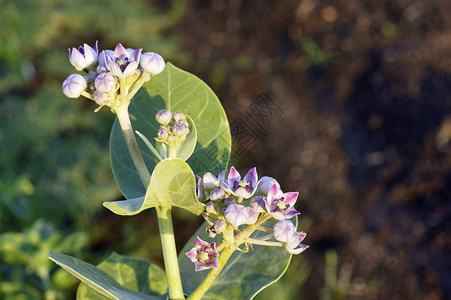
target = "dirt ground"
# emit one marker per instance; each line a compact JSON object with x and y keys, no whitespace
{"x":359,"y":121}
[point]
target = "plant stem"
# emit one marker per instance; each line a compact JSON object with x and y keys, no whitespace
{"x":170,"y":253}
{"x":127,"y":130}
{"x":208,"y":281}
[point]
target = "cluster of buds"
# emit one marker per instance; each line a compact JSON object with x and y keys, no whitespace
{"x":173,"y":127}
{"x":235,"y":202}
{"x":112,"y":76}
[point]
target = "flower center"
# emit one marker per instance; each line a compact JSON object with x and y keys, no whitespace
{"x":247,"y":185}
{"x":279,"y":205}
{"x":122,"y":62}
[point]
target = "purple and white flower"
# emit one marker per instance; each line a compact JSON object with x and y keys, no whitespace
{"x":241,"y":186}
{"x":122,"y":62}
{"x":203,"y":255}
{"x":152,"y":62}
{"x":281,"y":206}
{"x":236,"y":214}
{"x":84,"y":57}
{"x":74,"y":85}
{"x":252,"y":216}
{"x":294,"y":245}
{"x":217,"y":195}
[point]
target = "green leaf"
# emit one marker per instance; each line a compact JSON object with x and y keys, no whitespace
{"x":177,"y":91}
{"x":97,"y":278}
{"x":243,"y":276}
{"x":136,"y":274}
{"x":172,"y":184}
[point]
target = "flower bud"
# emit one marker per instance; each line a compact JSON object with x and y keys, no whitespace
{"x":162,"y":133}
{"x":74,"y":85}
{"x":180,"y":130}
{"x":258,"y":204}
{"x":210,"y":182}
{"x":220,"y":226}
{"x":152,"y":62}
{"x":252,"y":216}
{"x":101,"y":68}
{"x":236,"y":214}
{"x":105,"y":82}
{"x":229,"y":201}
{"x":284,"y":230}
{"x":217,"y":195}
{"x":184,"y":122}
{"x":211,"y":208}
{"x":100,"y":97}
{"x":178,"y":116}
{"x":266,"y":184}
{"x":163,"y":117}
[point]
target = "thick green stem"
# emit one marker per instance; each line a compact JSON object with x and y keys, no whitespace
{"x":129,"y":135}
{"x":208,"y":281}
{"x":170,"y":253}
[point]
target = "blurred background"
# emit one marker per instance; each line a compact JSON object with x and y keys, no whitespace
{"x":346,"y":101}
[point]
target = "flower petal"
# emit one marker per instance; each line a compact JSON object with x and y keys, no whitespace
{"x":252,"y":177}
{"x":273,"y":192}
{"x":291,"y":197}
{"x":120,"y":50}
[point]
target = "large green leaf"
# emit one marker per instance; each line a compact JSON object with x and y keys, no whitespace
{"x":136,"y":274}
{"x":172,"y":184}
{"x":243,"y":276}
{"x":177,"y":91}
{"x":97,"y":278}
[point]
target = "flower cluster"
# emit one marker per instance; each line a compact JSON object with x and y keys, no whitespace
{"x":113,"y":76}
{"x":174,"y":127}
{"x":234,"y":201}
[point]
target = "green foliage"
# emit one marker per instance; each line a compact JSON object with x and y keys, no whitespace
{"x":25,"y":271}
{"x":172,"y":184}
{"x":177,"y":91}
{"x":130,"y":271}
{"x":244,"y":275}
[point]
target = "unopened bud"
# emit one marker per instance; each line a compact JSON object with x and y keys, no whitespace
{"x":180,"y":130}
{"x":178,"y":116}
{"x":211,"y":208}
{"x":162,"y":133}
{"x":74,"y":85}
{"x":217,"y":195}
{"x":229,"y":201}
{"x":210,"y":182}
{"x":152,"y":62}
{"x":252,"y":216}
{"x":105,"y":82}
{"x":163,"y":117}
{"x":220,"y":226}
{"x":100,"y":97}
{"x":258,"y":204}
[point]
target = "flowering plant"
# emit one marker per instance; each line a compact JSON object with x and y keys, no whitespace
{"x":250,"y":223}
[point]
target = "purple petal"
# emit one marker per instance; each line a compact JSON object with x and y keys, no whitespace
{"x":273,"y":192}
{"x":198,"y":267}
{"x":200,"y":242}
{"x":252,"y":177}
{"x":241,"y":192}
{"x":120,"y":50}
{"x":115,"y":70}
{"x":291,"y":212}
{"x":137,"y":54}
{"x":192,"y":254}
{"x":298,"y":249}
{"x":233,"y":175}
{"x":291,"y":197}
{"x":130,"y":69}
{"x":214,"y":264}
{"x":221,"y":176}
{"x":278,"y":215}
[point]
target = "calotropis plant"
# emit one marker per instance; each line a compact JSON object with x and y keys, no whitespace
{"x":249,"y":222}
